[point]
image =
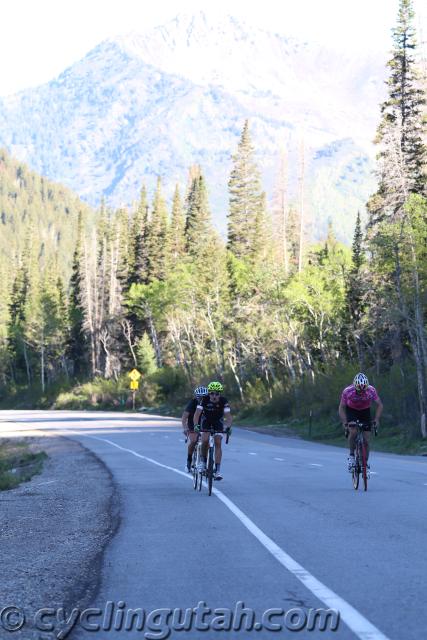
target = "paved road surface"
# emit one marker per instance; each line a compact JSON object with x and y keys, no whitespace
{"x":285,"y":530}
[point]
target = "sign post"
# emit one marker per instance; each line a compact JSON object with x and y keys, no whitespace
{"x":134,"y":376}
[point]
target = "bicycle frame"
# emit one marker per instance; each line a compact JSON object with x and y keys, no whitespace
{"x":360,"y":458}
{"x":197,"y":459}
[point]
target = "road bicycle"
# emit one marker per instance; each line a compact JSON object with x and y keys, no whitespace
{"x":360,"y":467}
{"x":198,"y":459}
{"x":195,"y":464}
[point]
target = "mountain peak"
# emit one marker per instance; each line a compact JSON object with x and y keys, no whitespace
{"x":152,"y":103}
{"x":210,"y":49}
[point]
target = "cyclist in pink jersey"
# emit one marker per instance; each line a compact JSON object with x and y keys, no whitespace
{"x":356,"y":401}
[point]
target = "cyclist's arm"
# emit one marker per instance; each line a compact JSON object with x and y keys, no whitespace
{"x":228,"y":417}
{"x":197,"y":415}
{"x":184,"y":421}
{"x":342,"y":412}
{"x":378,"y":410}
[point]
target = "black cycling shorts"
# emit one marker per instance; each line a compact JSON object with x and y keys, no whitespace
{"x":363,"y":415}
{"x":218,"y":427}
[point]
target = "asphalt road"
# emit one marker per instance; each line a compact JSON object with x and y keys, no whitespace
{"x":284,"y":531}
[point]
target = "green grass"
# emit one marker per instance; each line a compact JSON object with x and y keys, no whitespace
{"x":391,"y":438}
{"x":17,"y":463}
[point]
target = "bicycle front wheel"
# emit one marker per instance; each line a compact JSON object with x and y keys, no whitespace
{"x":356,"y":473}
{"x":194,"y":469}
{"x":364,"y":468}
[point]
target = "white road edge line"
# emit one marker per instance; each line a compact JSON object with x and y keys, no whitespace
{"x":280,"y":459}
{"x":314,"y":464}
{"x":360,"y":626}
{"x":252,"y":454}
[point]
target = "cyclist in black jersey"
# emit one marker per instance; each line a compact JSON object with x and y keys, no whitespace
{"x":187,"y":421}
{"x":211,"y":412}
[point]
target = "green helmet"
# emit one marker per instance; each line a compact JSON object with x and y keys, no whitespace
{"x":215,"y":386}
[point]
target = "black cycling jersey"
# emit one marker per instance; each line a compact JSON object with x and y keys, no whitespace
{"x":213,"y":412}
{"x":191,"y":408}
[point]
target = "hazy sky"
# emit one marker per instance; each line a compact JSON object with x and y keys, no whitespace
{"x":40,"y":38}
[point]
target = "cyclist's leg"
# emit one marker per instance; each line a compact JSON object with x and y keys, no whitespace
{"x":361,"y":415}
{"x":366,"y":420}
{"x":192,"y":440}
{"x":352,"y":431}
{"x":205,"y":445}
{"x":352,"y":439}
{"x":218,"y":448}
{"x":219,"y":431}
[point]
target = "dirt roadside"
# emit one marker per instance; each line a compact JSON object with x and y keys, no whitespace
{"x":53,"y":532}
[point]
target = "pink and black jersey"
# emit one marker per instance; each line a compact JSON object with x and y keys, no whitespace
{"x":359,"y":400}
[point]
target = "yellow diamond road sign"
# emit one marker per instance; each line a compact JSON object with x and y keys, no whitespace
{"x":134,"y":374}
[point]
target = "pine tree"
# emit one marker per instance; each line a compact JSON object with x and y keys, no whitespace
{"x":402,"y":154}
{"x":157,"y":238}
{"x":123,"y":245}
{"x":356,"y":287}
{"x":23,"y":295}
{"x":138,"y":257}
{"x":280,"y":214}
{"x":77,"y":346}
{"x":198,"y":221}
{"x":177,"y":227}
{"x":146,"y":356}
{"x":245,"y":196}
{"x":391,"y":233}
{"x":15,"y":330}
{"x":261,"y":246}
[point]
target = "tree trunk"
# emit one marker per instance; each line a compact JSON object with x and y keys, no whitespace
{"x":42,"y":365}
{"x":236,"y":377}
{"x":154,"y":337}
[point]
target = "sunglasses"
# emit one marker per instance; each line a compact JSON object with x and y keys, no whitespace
{"x":214,"y":393}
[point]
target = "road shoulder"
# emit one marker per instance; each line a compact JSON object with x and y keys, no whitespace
{"x":54,"y":530}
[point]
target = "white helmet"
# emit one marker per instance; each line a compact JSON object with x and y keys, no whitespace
{"x":200,"y":391}
{"x":361,"y":382}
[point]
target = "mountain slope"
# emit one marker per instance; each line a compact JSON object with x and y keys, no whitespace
{"x":142,"y":105}
{"x":31,"y":204}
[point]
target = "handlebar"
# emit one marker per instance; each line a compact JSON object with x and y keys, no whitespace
{"x":357,"y":423}
{"x":212,"y":431}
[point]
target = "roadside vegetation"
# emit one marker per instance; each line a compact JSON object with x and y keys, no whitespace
{"x":18,"y":463}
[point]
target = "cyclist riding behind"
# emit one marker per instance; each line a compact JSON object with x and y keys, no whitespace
{"x":356,"y":401}
{"x":212,"y":411}
{"x":187,"y":421}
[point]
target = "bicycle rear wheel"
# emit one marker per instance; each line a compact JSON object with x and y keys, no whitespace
{"x":210,"y":470}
